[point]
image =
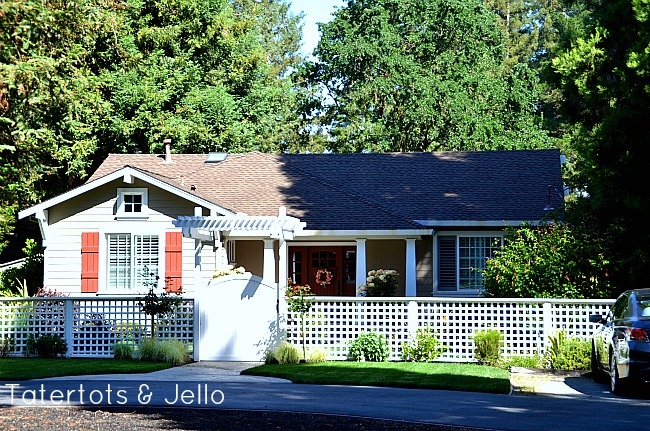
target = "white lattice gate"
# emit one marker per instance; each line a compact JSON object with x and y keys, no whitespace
{"x":238,"y":319}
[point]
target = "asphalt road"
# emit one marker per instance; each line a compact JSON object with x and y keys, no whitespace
{"x":579,"y":404}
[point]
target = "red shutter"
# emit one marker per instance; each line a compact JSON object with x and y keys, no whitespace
{"x":173,"y":261}
{"x":90,"y":262}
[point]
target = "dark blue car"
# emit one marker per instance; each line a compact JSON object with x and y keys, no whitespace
{"x":621,"y":346}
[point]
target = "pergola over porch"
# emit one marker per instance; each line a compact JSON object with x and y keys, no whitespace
{"x":283,"y":228}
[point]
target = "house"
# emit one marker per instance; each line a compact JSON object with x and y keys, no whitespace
{"x":433,"y":217}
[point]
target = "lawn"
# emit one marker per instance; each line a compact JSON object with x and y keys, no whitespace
{"x":451,"y":376}
{"x":37,"y":368}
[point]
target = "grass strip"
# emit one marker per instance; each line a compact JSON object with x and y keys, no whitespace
{"x":39,"y":368}
{"x":436,"y":375}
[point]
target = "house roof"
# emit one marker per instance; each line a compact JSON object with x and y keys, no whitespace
{"x":365,"y":191}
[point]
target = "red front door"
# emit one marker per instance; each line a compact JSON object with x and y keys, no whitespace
{"x":340,"y":262}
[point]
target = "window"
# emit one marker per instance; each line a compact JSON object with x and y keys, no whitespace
{"x":459,"y":259}
{"x":296,"y":266}
{"x":132,"y":203}
{"x":131,"y":260}
{"x":351,"y":267}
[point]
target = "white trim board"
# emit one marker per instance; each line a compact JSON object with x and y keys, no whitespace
{"x":127,"y":173}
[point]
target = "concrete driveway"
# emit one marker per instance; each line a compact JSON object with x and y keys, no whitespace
{"x":574,"y":404}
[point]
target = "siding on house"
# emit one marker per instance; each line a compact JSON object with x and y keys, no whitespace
{"x":95,"y":212}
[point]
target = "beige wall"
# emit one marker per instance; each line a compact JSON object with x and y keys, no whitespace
{"x":250,"y":255}
{"x":391,"y":254}
{"x":388,"y":254}
{"x":424,"y":269}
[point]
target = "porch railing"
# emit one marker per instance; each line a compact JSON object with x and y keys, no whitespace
{"x":90,"y":325}
{"x":525,"y":324}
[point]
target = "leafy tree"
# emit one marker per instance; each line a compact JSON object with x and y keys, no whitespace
{"x":27,"y":279}
{"x":604,"y":80}
{"x":514,"y":21}
{"x":419,"y":76}
{"x":549,"y":261}
{"x":531,"y":28}
{"x":279,"y":30}
{"x":82,"y":78}
{"x":158,"y":304}
{"x":50,"y":104}
{"x":208,"y":74}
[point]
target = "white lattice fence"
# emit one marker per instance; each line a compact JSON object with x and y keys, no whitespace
{"x":332,"y":324}
{"x":524,"y":324}
{"x":20,"y":318}
{"x":89,"y":325}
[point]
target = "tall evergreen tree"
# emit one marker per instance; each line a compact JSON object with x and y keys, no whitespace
{"x":606,"y":88}
{"x":418,"y":76}
{"x":50,"y":103}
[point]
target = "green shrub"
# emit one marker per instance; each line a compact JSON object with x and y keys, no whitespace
{"x":523,"y":362}
{"x":487,"y":347}
{"x":424,"y":348}
{"x":24,"y":280}
{"x":369,"y":346}
{"x":317,"y":356}
{"x":122,"y":351}
{"x":568,"y":353}
{"x":269,"y":358}
{"x":287,"y":353}
{"x":46,"y":345}
{"x":172,"y":351}
{"x":7,"y":345}
{"x":550,"y":260}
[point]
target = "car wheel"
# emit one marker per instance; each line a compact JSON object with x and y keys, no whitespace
{"x":596,"y":371}
{"x":615,"y":382}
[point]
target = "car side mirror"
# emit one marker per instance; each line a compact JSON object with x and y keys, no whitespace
{"x":597,"y":318}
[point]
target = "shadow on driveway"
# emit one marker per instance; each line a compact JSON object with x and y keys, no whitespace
{"x":586,"y":386}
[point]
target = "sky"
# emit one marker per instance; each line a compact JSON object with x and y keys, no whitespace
{"x":315,"y":11}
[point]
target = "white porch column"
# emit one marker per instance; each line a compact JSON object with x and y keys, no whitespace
{"x":198,"y":247}
{"x":411,"y":289}
{"x":268,"y":272}
{"x":283,"y":266}
{"x":361,"y":263}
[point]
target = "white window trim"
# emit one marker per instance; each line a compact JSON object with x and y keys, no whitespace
{"x":143,"y":215}
{"x":130,"y":228}
{"x":457,"y":234}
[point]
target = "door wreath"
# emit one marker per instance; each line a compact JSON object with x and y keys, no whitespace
{"x":323,"y":277}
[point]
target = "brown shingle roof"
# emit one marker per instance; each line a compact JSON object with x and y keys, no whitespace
{"x":365,"y":191}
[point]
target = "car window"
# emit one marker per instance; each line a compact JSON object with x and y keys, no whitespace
{"x":644,"y":306}
{"x":618,"y":310}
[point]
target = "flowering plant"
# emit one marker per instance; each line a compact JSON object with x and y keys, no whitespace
{"x":298,"y":297}
{"x":229,"y":271}
{"x":299,"y":301}
{"x":324,"y":277}
{"x":380,"y":282}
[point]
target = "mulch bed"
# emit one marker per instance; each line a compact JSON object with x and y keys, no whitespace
{"x":139,"y":419}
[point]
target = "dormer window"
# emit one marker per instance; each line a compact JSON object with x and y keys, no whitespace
{"x":132,"y":203}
